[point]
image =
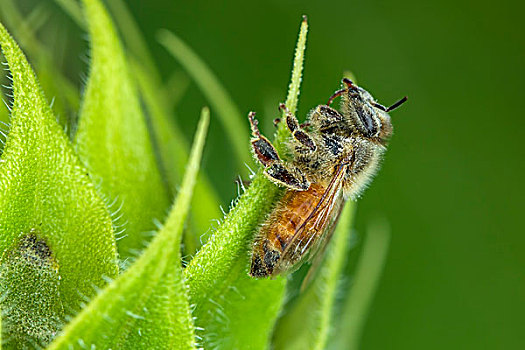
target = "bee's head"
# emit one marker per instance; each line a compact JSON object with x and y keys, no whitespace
{"x":368,"y":117}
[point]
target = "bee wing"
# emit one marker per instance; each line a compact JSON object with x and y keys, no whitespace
{"x":309,"y":235}
{"x":323,"y":243}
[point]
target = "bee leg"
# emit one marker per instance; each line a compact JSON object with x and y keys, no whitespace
{"x":275,"y":169}
{"x":263,"y":149}
{"x":287,"y":176}
{"x":300,"y":135}
{"x":326,"y":119}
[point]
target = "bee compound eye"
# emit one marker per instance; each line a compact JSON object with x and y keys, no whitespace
{"x":368,"y":119}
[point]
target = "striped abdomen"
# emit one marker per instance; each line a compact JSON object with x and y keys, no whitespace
{"x":292,"y":212}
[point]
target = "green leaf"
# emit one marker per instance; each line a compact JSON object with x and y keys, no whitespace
{"x":171,"y":142}
{"x":147,"y":306}
{"x":173,"y":153}
{"x":228,"y":113}
{"x":4,"y":116}
{"x":176,"y":86}
{"x":20,"y":26}
{"x":133,"y":38}
{"x":225,"y":297}
{"x":167,"y":138}
{"x":64,"y":94}
{"x":234,"y":309}
{"x":350,"y":323}
{"x":309,"y":322}
{"x":56,"y":234}
{"x":294,"y":89}
{"x":73,"y":10}
{"x":113,"y":138}
{"x":244,"y":315}
{"x":30,"y":270}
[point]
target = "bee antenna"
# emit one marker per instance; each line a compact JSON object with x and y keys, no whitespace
{"x":334,"y":96}
{"x":395,"y":105}
{"x":379,"y":106}
{"x":349,"y":83}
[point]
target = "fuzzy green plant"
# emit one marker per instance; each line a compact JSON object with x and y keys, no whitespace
{"x":82,"y":263}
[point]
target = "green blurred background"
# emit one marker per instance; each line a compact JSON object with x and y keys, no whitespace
{"x":451,"y":184}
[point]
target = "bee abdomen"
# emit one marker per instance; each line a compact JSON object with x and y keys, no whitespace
{"x":264,"y":259}
{"x":279,"y":230}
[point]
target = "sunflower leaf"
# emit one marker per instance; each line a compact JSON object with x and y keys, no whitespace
{"x":147,"y":306}
{"x":56,"y":234}
{"x":232,"y":307}
{"x":113,"y":139}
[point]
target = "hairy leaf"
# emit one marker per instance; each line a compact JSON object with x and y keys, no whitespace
{"x":234,"y":309}
{"x":133,"y":38}
{"x":168,"y":140}
{"x":113,"y":138}
{"x":56,"y":234}
{"x":60,"y":89}
{"x":147,"y":306}
{"x":173,"y":153}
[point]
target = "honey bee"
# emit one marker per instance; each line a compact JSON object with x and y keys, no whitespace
{"x":334,"y":156}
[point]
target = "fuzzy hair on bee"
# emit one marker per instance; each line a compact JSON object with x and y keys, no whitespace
{"x":333,"y":157}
